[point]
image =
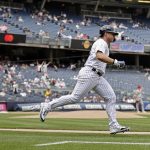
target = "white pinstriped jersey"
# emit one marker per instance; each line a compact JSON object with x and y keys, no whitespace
{"x":99,"y":45}
{"x":88,"y":79}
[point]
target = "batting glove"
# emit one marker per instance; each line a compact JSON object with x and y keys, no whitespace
{"x":119,"y":64}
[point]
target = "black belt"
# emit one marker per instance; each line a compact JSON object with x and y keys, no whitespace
{"x":97,"y":72}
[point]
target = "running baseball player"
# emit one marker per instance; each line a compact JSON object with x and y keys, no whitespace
{"x":91,"y":77}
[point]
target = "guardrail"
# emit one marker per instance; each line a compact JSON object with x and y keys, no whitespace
{"x":105,"y":13}
{"x":53,"y":43}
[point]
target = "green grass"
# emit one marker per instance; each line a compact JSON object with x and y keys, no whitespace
{"x":8,"y":121}
{"x":27,"y":141}
{"x":12,"y":140}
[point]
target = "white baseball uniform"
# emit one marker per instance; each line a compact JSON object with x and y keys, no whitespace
{"x":89,"y":79}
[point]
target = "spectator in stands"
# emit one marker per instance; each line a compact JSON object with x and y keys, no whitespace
{"x":3,"y":28}
{"x":2,"y":93}
{"x":127,"y":99}
{"x":47,"y":93}
{"x":53,"y":81}
{"x":9,"y":77}
{"x":83,"y":22}
{"x":114,"y":25}
{"x":77,"y":26}
{"x":27,"y":86}
{"x":88,"y":22}
{"x":1,"y":67}
{"x":13,"y":70}
{"x":63,"y":15}
{"x":59,"y":33}
{"x":36,"y":80}
{"x":122,"y":26}
{"x":19,"y":75}
{"x":46,"y":35}
{"x":47,"y":99}
{"x":138,"y":96}
{"x":15,"y":87}
{"x":20,"y":19}
{"x":44,"y":77}
{"x":73,"y":66}
{"x":104,"y":18}
{"x":70,"y":21}
{"x":44,"y":67}
{"x":55,"y":67}
{"x":136,"y":25}
{"x":55,"y":18}
{"x":147,"y":75}
{"x":63,"y":84}
{"x":41,"y":33}
{"x":60,"y":83}
{"x":39,"y":66}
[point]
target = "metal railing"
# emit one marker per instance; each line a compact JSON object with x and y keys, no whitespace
{"x":47,"y":41}
{"x":105,"y":13}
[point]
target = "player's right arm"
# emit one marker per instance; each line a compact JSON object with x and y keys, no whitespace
{"x":104,"y":58}
{"x":100,"y":47}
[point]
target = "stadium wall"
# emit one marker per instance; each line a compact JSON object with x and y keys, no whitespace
{"x":35,"y":106}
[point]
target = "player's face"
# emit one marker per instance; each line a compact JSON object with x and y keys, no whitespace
{"x":110,"y":37}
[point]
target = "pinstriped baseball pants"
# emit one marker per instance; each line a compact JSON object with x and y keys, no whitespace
{"x":87,"y":80}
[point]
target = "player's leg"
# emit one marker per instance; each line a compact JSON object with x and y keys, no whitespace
{"x":137,"y":106}
{"x":105,"y":90}
{"x":83,"y":86}
{"x":142,"y":106}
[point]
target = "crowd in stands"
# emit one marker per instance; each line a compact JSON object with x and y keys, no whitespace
{"x":23,"y":81}
{"x":41,"y":23}
{"x":31,"y":82}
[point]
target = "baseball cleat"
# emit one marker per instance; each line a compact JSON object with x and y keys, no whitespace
{"x":121,"y":131}
{"x":118,"y":129}
{"x":43,"y":112}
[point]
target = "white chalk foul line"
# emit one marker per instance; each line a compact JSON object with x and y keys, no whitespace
{"x":90,"y":142}
{"x":72,"y":131}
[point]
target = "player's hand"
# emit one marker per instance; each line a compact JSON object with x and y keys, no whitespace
{"x":119,"y":64}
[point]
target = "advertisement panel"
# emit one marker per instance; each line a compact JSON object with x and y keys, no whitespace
{"x":127,"y":47}
{"x":3,"y":106}
{"x":124,"y":47}
{"x":79,"y":106}
{"x":81,"y":44}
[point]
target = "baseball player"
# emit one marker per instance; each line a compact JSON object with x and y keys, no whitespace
{"x":91,"y":77}
{"x":138,"y":96}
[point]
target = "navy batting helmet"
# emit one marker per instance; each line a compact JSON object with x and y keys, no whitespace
{"x":108,"y":29}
